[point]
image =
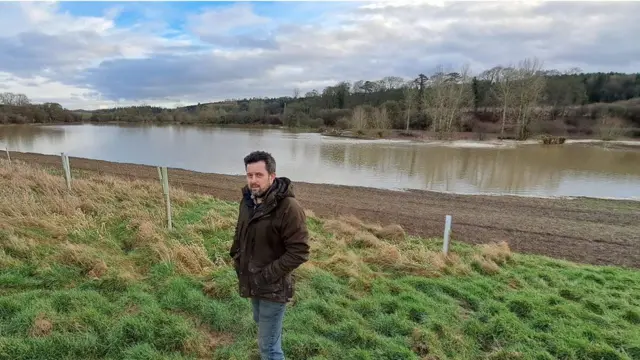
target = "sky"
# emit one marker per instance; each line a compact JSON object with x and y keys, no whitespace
{"x":90,"y":55}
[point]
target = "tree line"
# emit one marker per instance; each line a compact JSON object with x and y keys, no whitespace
{"x":516,"y":100}
{"x":18,"y":109}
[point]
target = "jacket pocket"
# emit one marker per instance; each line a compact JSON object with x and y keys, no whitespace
{"x":260,"y":286}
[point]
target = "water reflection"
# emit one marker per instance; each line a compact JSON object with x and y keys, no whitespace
{"x":564,"y":170}
{"x":522,"y":170}
{"x":22,"y":137}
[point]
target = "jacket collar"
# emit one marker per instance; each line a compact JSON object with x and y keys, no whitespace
{"x":281,"y":188}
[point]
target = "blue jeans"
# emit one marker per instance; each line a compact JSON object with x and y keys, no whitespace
{"x":269,"y":316}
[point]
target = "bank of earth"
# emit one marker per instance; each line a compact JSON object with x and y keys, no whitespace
{"x":94,"y":273}
{"x":593,"y":231}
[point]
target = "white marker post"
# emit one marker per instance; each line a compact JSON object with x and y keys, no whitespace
{"x":164,"y":178}
{"x":8,"y":156}
{"x":67,"y":170}
{"x":447,"y":231}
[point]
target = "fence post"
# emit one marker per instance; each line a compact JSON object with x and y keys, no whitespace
{"x":67,"y":170}
{"x":447,"y":232}
{"x":8,"y":156}
{"x":164,"y":178}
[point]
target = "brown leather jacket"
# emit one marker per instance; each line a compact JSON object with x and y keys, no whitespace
{"x":271,"y":240}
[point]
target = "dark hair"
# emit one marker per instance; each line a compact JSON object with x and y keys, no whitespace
{"x":256,"y":156}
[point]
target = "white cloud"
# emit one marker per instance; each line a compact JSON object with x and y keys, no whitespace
{"x":220,"y":21}
{"x":230,"y":52}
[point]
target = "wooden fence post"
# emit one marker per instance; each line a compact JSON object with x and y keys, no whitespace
{"x":447,"y":232}
{"x":67,"y":170}
{"x":164,"y":178}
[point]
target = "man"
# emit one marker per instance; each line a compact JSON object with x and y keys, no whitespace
{"x":271,"y":240}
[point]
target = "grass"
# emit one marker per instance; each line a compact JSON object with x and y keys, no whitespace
{"x":94,"y":273}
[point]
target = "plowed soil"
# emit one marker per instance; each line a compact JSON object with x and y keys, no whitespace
{"x":602,"y":232}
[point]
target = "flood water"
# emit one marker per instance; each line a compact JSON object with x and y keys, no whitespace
{"x":567,"y":170}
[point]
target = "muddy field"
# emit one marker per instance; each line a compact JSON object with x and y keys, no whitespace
{"x":602,"y":232}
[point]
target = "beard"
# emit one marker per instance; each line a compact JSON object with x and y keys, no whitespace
{"x":257,"y":192}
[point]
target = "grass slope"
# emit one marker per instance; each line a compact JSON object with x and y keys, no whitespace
{"x":93,"y":273}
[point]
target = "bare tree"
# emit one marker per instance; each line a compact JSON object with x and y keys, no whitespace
{"x":447,"y":96}
{"x":518,"y":90}
{"x":22,"y":100}
{"x":257,"y":108}
{"x":505,"y":80}
{"x":410,"y":92}
{"x":530,"y":88}
{"x":392,"y":82}
{"x":8,"y":98}
{"x":359,"y":118}
{"x":380,"y":118}
{"x":610,"y":128}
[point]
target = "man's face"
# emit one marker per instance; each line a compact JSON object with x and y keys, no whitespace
{"x":258,"y":179}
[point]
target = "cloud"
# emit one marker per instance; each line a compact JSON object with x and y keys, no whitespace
{"x":236,"y":26}
{"x":199,"y":53}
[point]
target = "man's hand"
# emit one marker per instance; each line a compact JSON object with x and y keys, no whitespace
{"x":259,"y":280}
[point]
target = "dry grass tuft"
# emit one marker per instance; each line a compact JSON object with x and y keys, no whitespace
{"x":386,"y":255}
{"x":487,"y":266}
{"x":359,"y":224}
{"x":179,"y":196}
{"x":499,"y":253}
{"x":146,"y":233}
{"x":309,"y":213}
{"x":162,"y":252}
{"x":216,"y":290}
{"x":191,"y":259}
{"x":7,"y":261}
{"x":393,"y":232}
{"x":18,"y":248}
{"x":203,"y":345}
{"x":351,"y":225}
{"x":351,"y":220}
{"x":419,"y":342}
{"x":340,"y":227}
{"x":52,"y":226}
{"x":88,"y":207}
{"x":455,"y":264}
{"x":213,"y":221}
{"x":347,"y":264}
{"x":79,"y":255}
{"x":98,"y":270}
{"x":371,"y":246}
{"x":41,"y":326}
{"x":364,"y":239}
{"x":34,"y":199}
{"x":354,"y":247}
{"x":437,"y":260}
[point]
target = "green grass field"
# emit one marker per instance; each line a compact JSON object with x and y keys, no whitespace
{"x":93,"y":273}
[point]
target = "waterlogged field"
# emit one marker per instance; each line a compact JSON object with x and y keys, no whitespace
{"x":94,"y":273}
